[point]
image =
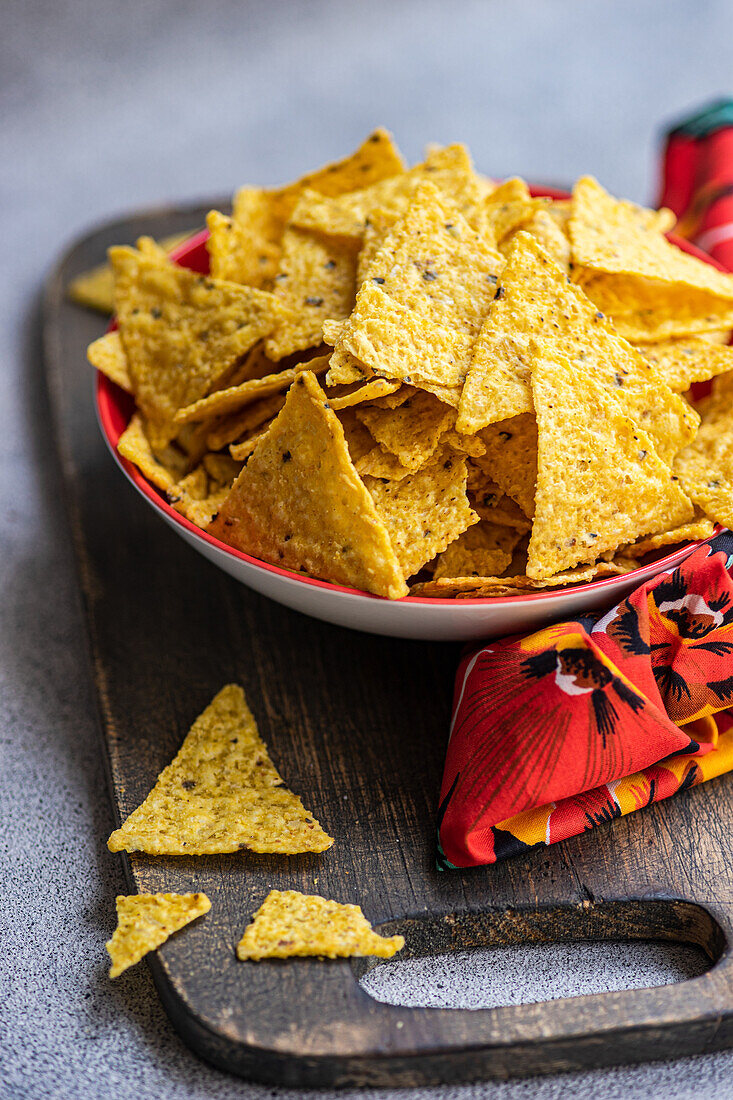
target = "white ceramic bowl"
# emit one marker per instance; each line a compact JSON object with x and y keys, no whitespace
{"x":411,"y":617}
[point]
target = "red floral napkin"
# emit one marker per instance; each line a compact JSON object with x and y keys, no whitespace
{"x":589,"y":720}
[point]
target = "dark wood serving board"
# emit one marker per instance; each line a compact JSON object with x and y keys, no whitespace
{"x":357,"y":725}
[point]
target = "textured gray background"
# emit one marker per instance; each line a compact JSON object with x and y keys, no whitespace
{"x":109,"y":105}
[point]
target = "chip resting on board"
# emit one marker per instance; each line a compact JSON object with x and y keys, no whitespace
{"x":221,"y":793}
{"x":145,"y":921}
{"x":290,"y":924}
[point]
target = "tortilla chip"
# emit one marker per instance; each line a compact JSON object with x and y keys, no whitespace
{"x":241,"y":451}
{"x":449,"y":170}
{"x":546,"y":231}
{"x":182,"y":332}
{"x":241,"y":424}
{"x":687,"y":360}
{"x":428,"y":289}
{"x":377,"y":462}
{"x":698,"y":528}
{"x":300,"y":503}
{"x":363,"y":392}
{"x":134,"y":445}
{"x":600,"y":482}
{"x":492,"y":504}
{"x":196,"y":498}
{"x":481,"y":588}
{"x":607,"y":235}
{"x":316,"y":281}
{"x":108,"y":356}
{"x":359,"y":439}
{"x":221,"y":793}
{"x":510,"y":458}
{"x":642,"y":313}
{"x":472,"y":445}
{"x":424,"y":511}
{"x":290,"y":924}
{"x":412,"y":430}
{"x":145,"y":921}
{"x":507,"y":208}
{"x":705,"y":467}
{"x":540,"y":311}
{"x":246,"y":248}
{"x":484,"y":550}
{"x":96,"y":288}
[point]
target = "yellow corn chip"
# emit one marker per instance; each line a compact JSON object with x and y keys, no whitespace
{"x":377,"y":462}
{"x":197,"y":498}
{"x":705,"y":467}
{"x":540,"y":311}
{"x":316,"y":281}
{"x":242,"y":423}
{"x":424,"y":511}
{"x":182,"y":333}
{"x":246,"y":247}
{"x":484,"y":550}
{"x":510,"y":458}
{"x":428,"y":289}
{"x":300,"y":503}
{"x":545,"y":229}
{"x":600,"y":482}
{"x":241,"y":451}
{"x":699,"y":528}
{"x":290,"y":924}
{"x":220,"y":794}
{"x":245,"y":393}
{"x":108,"y":356}
{"x":644,"y":313}
{"x":479,"y":588}
{"x":507,"y":208}
{"x":412,"y":430}
{"x":488,"y":500}
{"x":608,"y":235}
{"x":448,"y":169}
{"x":145,"y":921}
{"x":96,"y":288}
{"x":134,"y":445}
{"x":688,"y":359}
{"x":472,"y":445}
{"x":362,"y":392}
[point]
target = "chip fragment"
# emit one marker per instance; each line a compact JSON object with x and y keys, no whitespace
{"x":221,"y":793}
{"x":290,"y":924}
{"x":484,"y":550}
{"x":145,"y":921}
{"x":687,"y":360}
{"x":300,"y":503}
{"x":108,"y":356}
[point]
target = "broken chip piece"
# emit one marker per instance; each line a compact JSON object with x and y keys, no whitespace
{"x":290,"y":924}
{"x":145,"y":921}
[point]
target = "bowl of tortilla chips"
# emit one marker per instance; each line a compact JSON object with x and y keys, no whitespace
{"x":419,"y":403}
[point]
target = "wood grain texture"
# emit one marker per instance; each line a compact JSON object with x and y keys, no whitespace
{"x":357,"y":726}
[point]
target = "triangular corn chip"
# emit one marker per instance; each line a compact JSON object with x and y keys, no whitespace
{"x":246,"y":247}
{"x":646,"y":312}
{"x":221,"y":793}
{"x":610,"y":236}
{"x":290,"y":924}
{"x":300,"y":503}
{"x":108,"y":356}
{"x":540,"y":311}
{"x":134,"y":445}
{"x":428,"y":289}
{"x":182,"y":333}
{"x":424,"y":511}
{"x":687,"y":360}
{"x":506,"y":208}
{"x":145,"y":921}
{"x":600,"y":482}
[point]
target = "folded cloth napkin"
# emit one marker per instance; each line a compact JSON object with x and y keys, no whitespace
{"x":588,"y":720}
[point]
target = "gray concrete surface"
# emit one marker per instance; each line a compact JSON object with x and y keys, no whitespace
{"x":105,"y":106}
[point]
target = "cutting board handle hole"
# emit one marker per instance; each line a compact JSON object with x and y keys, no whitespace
{"x":484,"y":960}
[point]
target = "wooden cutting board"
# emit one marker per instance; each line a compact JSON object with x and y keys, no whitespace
{"x":357,"y":725}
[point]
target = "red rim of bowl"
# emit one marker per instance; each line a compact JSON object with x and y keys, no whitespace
{"x":114,"y":409}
